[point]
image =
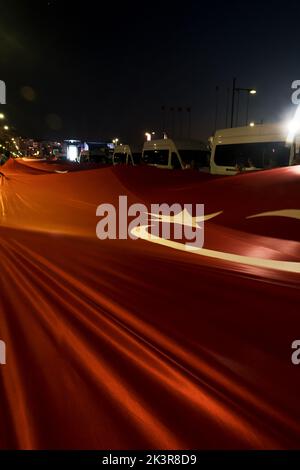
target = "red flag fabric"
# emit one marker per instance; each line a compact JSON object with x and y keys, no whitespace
{"x":128,"y":344}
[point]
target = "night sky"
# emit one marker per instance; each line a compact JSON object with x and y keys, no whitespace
{"x":99,"y":70}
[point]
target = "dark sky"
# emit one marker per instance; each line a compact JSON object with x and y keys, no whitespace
{"x":99,"y":69}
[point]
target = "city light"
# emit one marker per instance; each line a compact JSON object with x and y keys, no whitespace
{"x":148,"y":136}
{"x":2,"y":116}
{"x":72,"y":153}
{"x":6,"y":128}
{"x":293,"y":126}
{"x":252,"y":124}
{"x":252,"y":92}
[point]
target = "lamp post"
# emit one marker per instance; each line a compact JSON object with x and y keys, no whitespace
{"x":250,"y":91}
{"x":149,"y":135}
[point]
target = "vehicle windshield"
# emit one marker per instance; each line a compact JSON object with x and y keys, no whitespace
{"x":156,"y":157}
{"x":253,"y":155}
{"x":194,"y":158}
{"x":100,"y":154}
{"x":120,"y":158}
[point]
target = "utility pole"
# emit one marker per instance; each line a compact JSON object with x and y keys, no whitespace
{"x":227,"y":106}
{"x":216,"y":109}
{"x":189,"y":110}
{"x":232,"y":101}
{"x":237,"y":107}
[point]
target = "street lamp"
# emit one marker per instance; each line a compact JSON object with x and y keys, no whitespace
{"x":2,"y":116}
{"x":250,"y":91}
{"x":5,"y":128}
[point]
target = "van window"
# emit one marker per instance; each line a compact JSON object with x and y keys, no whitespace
{"x":194,"y":158}
{"x":257,"y":154}
{"x":156,"y":157}
{"x":120,"y":158}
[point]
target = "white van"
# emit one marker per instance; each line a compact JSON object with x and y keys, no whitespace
{"x":249,"y":149}
{"x":126,"y":155}
{"x":97,"y":152}
{"x":170,"y":154}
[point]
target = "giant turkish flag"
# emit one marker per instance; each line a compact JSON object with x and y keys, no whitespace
{"x":127,"y":344}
